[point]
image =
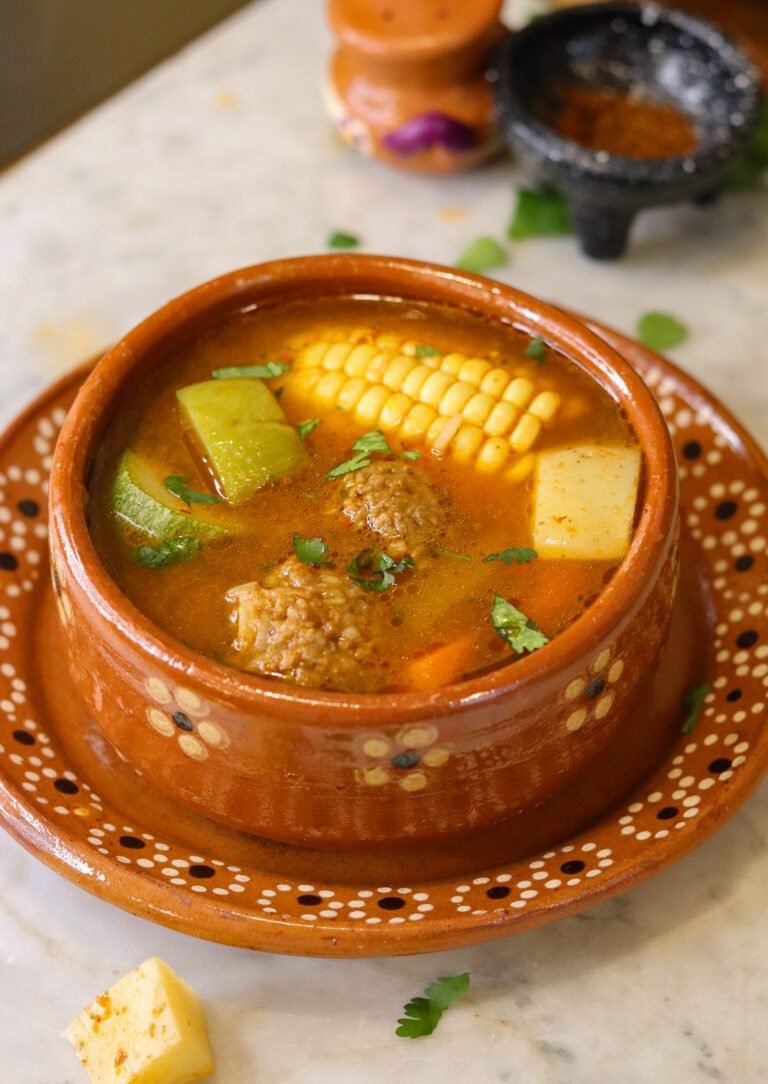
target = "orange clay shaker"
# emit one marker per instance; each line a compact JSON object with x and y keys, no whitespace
{"x":407,"y":82}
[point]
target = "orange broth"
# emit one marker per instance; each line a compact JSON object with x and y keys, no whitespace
{"x":443,"y":599}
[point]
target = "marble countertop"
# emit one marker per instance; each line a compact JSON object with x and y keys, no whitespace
{"x":222,"y":157}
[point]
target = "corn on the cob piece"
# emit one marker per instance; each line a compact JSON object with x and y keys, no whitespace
{"x":476,"y":411}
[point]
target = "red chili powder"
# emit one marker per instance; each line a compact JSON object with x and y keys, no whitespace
{"x":610,"y":120}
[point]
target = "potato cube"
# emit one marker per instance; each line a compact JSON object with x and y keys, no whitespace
{"x":585,"y":500}
{"x":148,"y":1029}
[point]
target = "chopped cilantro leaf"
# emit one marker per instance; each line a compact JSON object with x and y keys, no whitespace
{"x":312,"y":551}
{"x":660,"y":330}
{"x":340,"y":239}
{"x":176,"y":485}
{"x":372,"y":441}
{"x":305,"y":428}
{"x":357,"y":462}
{"x":536,"y":349}
{"x":693,"y":702}
{"x":483,"y":254}
{"x":408,"y":454}
{"x":261,"y":372}
{"x":379,"y":568}
{"x":167,"y":553}
{"x":364,"y":447}
{"x":513,"y":626}
{"x":422,"y":351}
{"x":422,"y":1014}
{"x":541,"y":213}
{"x":520,"y":555}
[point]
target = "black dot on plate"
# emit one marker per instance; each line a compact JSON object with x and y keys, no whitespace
{"x":692,"y":449}
{"x":498,"y":892}
{"x":408,"y":759}
{"x":23,"y":737}
{"x":575,"y":865}
{"x":743,"y":563}
{"x":734,"y":695}
{"x":309,"y":900}
{"x":201,"y":872}
{"x":748,"y":638}
{"x":8,"y":563}
{"x":391,"y":903}
{"x":726,"y":509}
{"x":722,"y":764}
{"x":182,"y":721}
{"x":132,"y":843}
{"x":29,"y":508}
{"x":66,"y":786}
{"x":667,"y":813}
{"x":595,"y":688}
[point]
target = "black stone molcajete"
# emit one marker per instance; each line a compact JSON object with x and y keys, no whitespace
{"x":644,"y":49}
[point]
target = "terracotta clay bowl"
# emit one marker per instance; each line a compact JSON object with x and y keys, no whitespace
{"x":320,"y":768}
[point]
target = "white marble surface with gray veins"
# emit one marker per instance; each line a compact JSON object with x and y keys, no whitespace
{"x":222,"y":157}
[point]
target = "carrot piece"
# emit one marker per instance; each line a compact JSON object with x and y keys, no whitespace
{"x":441,"y":665}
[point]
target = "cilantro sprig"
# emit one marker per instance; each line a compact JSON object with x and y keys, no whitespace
{"x":481,"y":255}
{"x":536,"y":349}
{"x":364,"y":447}
{"x":264,"y":371}
{"x":167,"y":553}
{"x":176,"y":485}
{"x":375,"y":570}
{"x":519,"y":555}
{"x":693,"y":702}
{"x":423,"y":1014}
{"x":513,"y":626}
{"x":340,"y":239}
{"x":424,"y":351}
{"x":312,"y":551}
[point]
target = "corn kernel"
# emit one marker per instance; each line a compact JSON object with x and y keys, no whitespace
{"x":478,"y":408}
{"x":500,"y":420}
{"x":377,"y":366}
{"x":409,"y":348}
{"x":545,"y":405}
{"x":336,"y":355}
{"x":311,"y":356}
{"x":359,"y":359}
{"x":417,"y":421}
{"x":495,"y":382}
{"x":434,"y":387}
{"x":493,"y":455}
{"x":525,"y":433}
{"x":452,"y":363}
{"x":394,"y":410}
{"x":303,"y":381}
{"x":397,"y":371}
{"x":351,"y":393}
{"x":520,"y":469}
{"x":466,"y":442}
{"x":519,"y":392}
{"x":414,"y":381}
{"x":388,"y":342}
{"x":456,"y":398}
{"x":474,"y":370}
{"x":328,"y":387}
{"x":370,"y":404}
{"x":436,"y":429}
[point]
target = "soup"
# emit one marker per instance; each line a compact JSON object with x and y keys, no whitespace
{"x":365,"y":495}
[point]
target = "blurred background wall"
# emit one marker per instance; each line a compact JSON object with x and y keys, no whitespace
{"x":58,"y":58}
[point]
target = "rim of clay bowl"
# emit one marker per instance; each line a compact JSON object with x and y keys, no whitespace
{"x":315,"y":277}
{"x":567,"y":157}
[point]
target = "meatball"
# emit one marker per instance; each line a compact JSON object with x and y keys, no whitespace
{"x":396,"y":502}
{"x":311,"y":625}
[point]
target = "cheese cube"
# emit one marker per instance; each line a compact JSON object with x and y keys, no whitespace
{"x":585,"y":500}
{"x":148,"y":1029}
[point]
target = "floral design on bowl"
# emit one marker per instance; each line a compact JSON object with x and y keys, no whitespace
{"x":182,"y":713}
{"x":404,"y":758}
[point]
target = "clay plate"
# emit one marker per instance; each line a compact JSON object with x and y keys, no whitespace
{"x":69,"y":800}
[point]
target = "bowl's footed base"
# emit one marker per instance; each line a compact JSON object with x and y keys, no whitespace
{"x":636,"y":751}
